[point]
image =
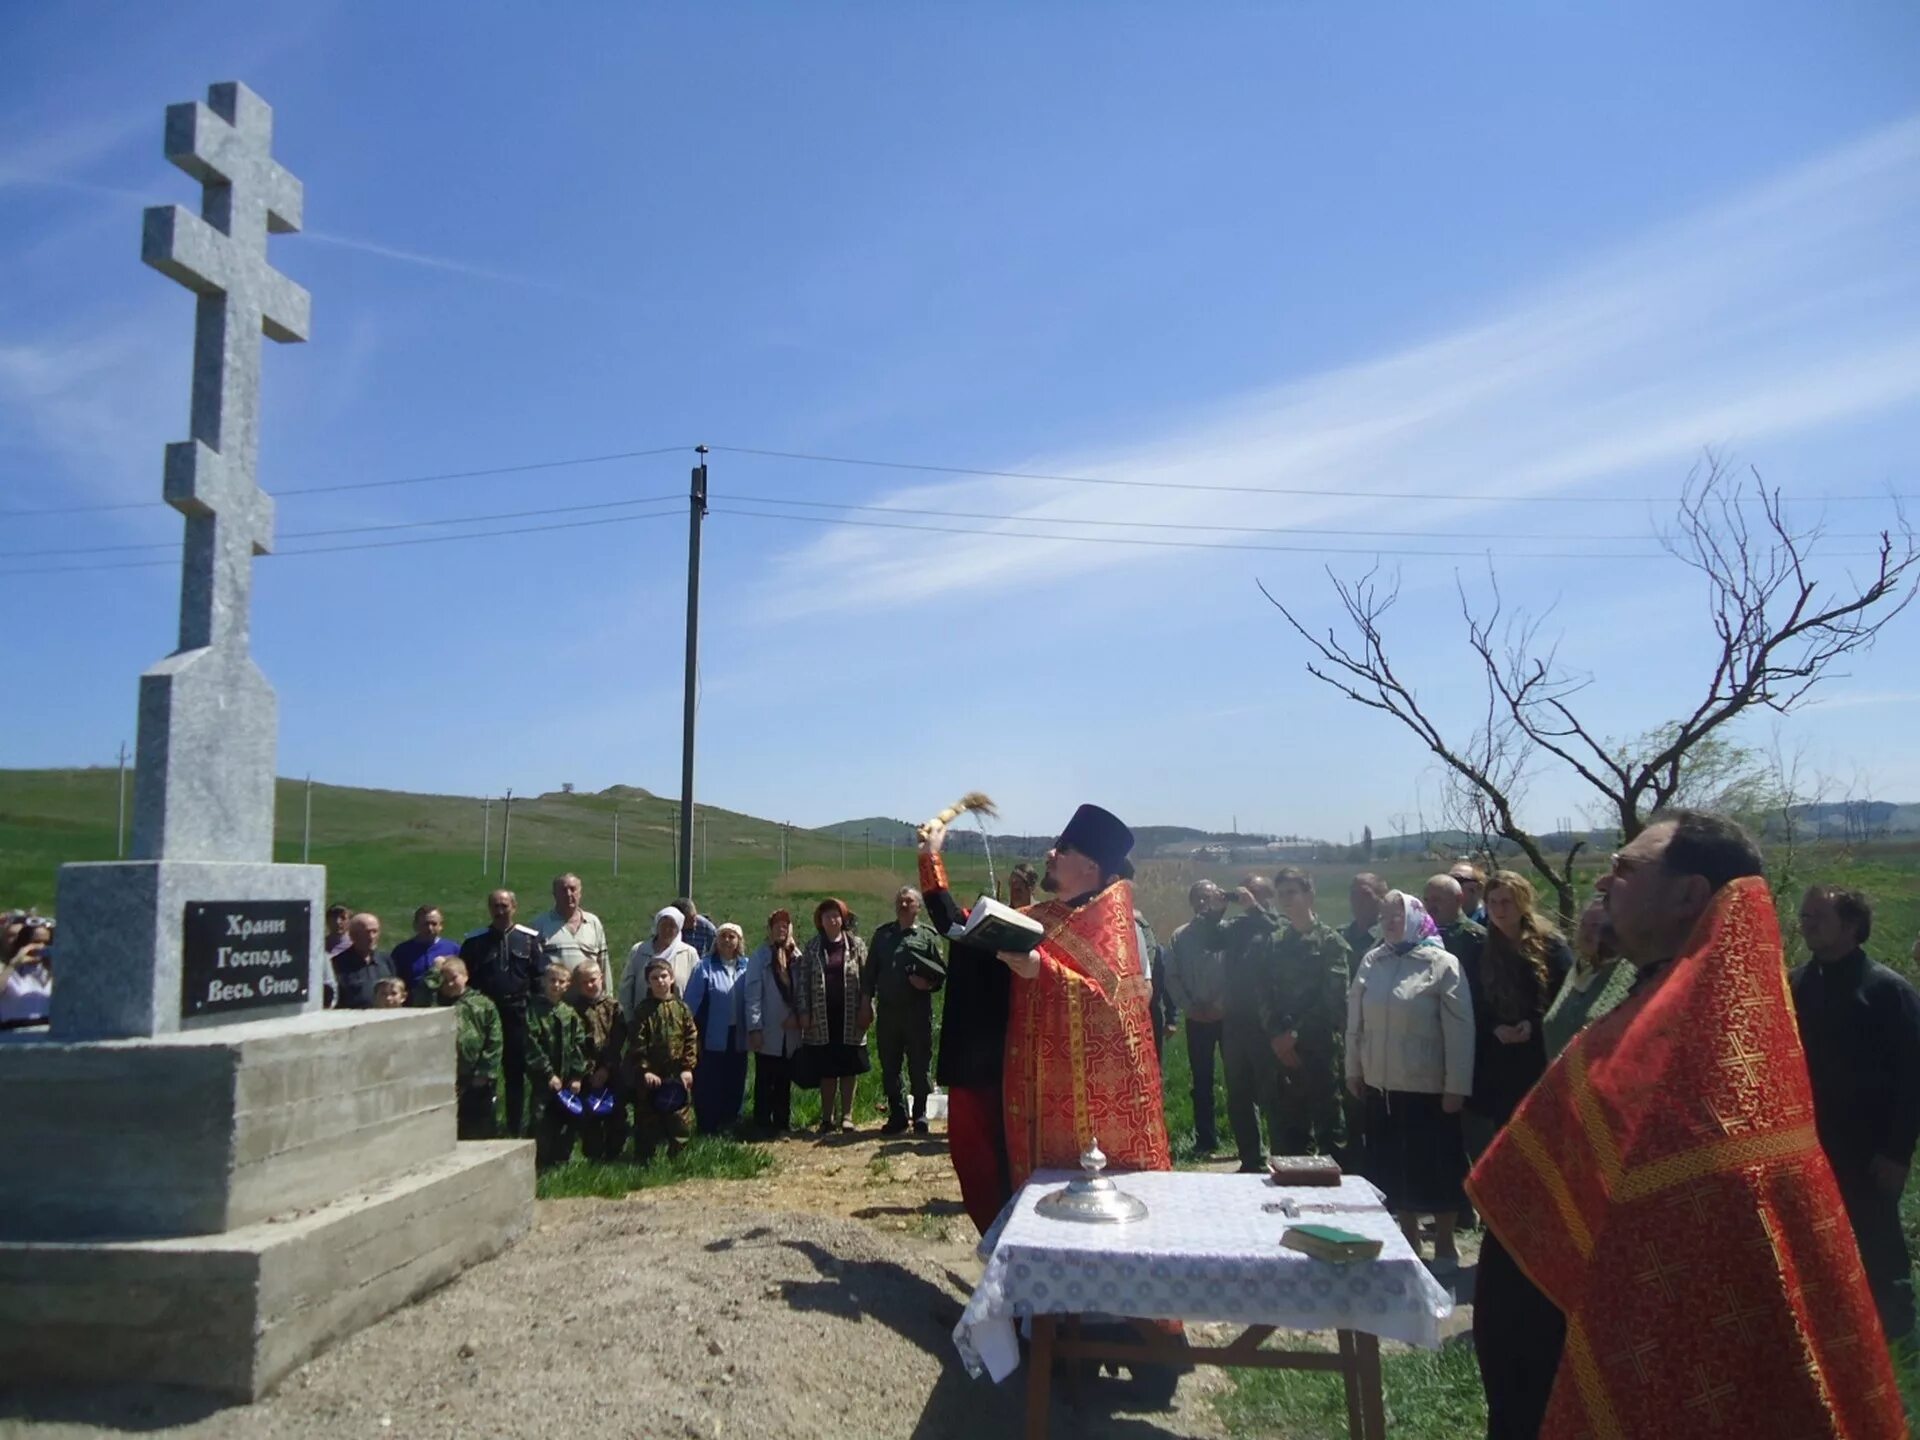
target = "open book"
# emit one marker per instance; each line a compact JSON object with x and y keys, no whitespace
{"x":993,"y":926}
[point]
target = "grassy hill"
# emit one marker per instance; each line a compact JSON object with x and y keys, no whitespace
{"x":388,"y":851}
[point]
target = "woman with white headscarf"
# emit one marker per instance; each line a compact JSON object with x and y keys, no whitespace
{"x":1410,"y":1060}
{"x":717,"y":995}
{"x":666,"y":945}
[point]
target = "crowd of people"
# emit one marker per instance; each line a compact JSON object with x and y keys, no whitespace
{"x":671,"y":1043}
{"x":1653,"y":1122}
{"x":1407,"y":1044}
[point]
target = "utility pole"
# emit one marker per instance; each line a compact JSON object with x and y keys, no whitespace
{"x":506,"y":836}
{"x":120,"y":828}
{"x":866,"y":860}
{"x":616,"y":843}
{"x":306,"y":829}
{"x":486,"y":832}
{"x":696,"y":512}
{"x":784,"y":827}
{"x":706,"y":848}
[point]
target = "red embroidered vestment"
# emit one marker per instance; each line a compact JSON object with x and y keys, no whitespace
{"x":1664,"y":1187}
{"x":1080,"y":1063}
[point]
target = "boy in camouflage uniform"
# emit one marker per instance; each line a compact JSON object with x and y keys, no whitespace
{"x":1306,"y":1021}
{"x":477,"y":1045}
{"x":602,"y":1136}
{"x":663,"y":1046}
{"x":556,"y":1061}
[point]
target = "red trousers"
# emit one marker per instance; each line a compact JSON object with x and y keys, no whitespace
{"x":977,"y":1145}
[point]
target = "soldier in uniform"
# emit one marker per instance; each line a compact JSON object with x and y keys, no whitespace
{"x":904,"y":968}
{"x":504,"y":962}
{"x":1306,"y":1022}
{"x":556,"y":1062}
{"x":476,"y":1048}
{"x":1247,"y":985}
{"x":663,"y":1046}
{"x":603,"y":1137}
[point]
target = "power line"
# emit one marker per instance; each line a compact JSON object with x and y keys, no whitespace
{"x":1504,"y":535}
{"x":373,"y":484}
{"x":1341,"y":494}
{"x":370,"y":545}
{"x":343,"y":529}
{"x":1194,"y":544}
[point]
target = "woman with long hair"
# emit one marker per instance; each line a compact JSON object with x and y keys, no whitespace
{"x":834,"y":1014}
{"x":1410,"y":1062}
{"x":1521,"y":969}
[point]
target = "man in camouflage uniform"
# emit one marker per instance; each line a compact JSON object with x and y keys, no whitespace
{"x":1306,"y":1023}
{"x":477,"y":1047}
{"x":663,"y":1046}
{"x":556,"y":1062}
{"x":603,"y":1137}
{"x":1464,"y":938}
{"x":904,"y":968}
{"x":1246,"y":983}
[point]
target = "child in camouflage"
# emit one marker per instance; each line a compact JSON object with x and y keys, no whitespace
{"x":478,"y":1042}
{"x":556,"y":1065}
{"x":603,"y":1136}
{"x":662,"y":1048}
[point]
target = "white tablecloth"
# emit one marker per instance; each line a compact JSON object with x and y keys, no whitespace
{"x":1206,"y":1251}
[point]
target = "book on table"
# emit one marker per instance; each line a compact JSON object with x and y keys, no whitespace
{"x":994,"y":926}
{"x":1330,"y":1242}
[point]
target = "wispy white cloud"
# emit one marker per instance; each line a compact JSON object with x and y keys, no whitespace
{"x":1784,"y":308}
{"x":427,"y":262}
{"x":1857,"y":699}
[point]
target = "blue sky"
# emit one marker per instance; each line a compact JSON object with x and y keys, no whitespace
{"x":1506,"y":264}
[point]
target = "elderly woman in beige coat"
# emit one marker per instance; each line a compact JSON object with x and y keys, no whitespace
{"x":1410,"y":1061}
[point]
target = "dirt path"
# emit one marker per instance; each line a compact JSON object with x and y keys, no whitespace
{"x":817,"y":1301}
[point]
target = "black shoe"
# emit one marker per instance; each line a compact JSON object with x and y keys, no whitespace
{"x":896,"y":1125}
{"x":920,"y":1127}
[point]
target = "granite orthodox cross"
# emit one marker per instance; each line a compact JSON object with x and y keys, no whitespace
{"x":221,"y":255}
{"x":203,"y":789}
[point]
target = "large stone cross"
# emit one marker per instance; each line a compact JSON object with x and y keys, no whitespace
{"x":221,"y":255}
{"x":203,"y":789}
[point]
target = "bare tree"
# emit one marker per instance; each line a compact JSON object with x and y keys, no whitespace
{"x":1779,"y":632}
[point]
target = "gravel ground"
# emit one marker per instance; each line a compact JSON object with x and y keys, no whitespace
{"x":690,"y":1311}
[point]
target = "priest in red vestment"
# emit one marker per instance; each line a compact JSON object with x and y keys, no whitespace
{"x":1663,"y":1194}
{"x":1080,"y":1062}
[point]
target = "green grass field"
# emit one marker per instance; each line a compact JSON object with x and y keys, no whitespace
{"x":388,"y":852}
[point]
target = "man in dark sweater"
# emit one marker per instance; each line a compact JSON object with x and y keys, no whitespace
{"x":1860,"y":1024}
{"x":973,"y":1038}
{"x":361,"y":966}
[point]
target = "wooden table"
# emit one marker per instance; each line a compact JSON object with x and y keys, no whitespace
{"x":1059,"y":1338}
{"x":1207,"y":1252}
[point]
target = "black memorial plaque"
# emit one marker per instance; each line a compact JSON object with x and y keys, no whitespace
{"x":244,"y":954}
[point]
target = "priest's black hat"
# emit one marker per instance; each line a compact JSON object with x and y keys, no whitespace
{"x":1101,"y":836}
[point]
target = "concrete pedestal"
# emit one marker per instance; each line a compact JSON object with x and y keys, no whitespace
{"x":211,"y":1208}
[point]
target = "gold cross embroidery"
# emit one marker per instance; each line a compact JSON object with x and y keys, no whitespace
{"x":1697,"y":1197}
{"x":1636,"y":1356}
{"x":1735,"y":1315}
{"x":1750,"y":1063}
{"x":1709,"y":1398}
{"x":1661,"y":1273}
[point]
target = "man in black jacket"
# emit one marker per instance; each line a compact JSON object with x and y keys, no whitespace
{"x":1860,"y":1024}
{"x":504,"y":961}
{"x":973,"y":1039}
{"x":361,"y":966}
